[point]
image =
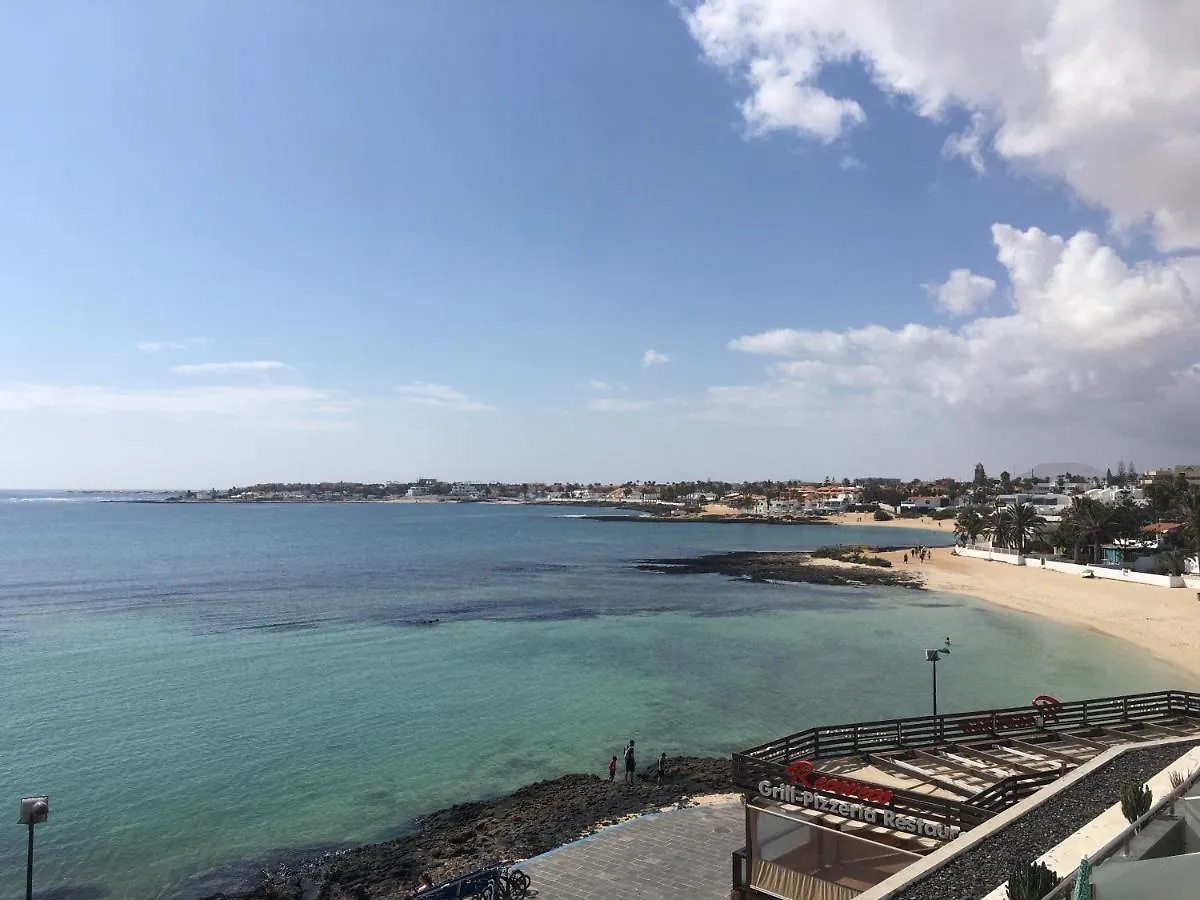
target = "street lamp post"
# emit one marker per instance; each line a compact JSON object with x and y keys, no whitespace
{"x":932,"y":656}
{"x":33,"y":811}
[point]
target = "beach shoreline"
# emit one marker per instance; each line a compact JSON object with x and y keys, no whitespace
{"x":1164,"y":622}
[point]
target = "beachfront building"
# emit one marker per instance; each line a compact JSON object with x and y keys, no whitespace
{"x":418,"y":490}
{"x":924,"y":504}
{"x":778,"y":507}
{"x":465,"y":491}
{"x":870,"y":808}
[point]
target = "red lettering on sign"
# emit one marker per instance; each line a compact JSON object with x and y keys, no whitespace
{"x":802,"y":772}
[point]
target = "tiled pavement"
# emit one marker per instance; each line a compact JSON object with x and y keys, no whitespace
{"x":680,"y":855}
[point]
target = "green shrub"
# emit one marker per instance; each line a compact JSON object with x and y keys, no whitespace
{"x":854,"y":554}
{"x":1031,"y":881}
{"x":882,"y":516}
{"x":1135,"y":801}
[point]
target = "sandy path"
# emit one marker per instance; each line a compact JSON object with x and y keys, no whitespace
{"x":1163,"y":621}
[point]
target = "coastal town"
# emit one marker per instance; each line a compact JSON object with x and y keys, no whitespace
{"x":1146,"y":522}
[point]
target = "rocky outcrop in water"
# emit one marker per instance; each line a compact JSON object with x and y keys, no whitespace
{"x":467,"y":837}
{"x":781,"y":566}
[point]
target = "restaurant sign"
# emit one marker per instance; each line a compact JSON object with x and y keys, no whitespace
{"x":1045,"y":709}
{"x":883,"y":818}
{"x":801,"y":773}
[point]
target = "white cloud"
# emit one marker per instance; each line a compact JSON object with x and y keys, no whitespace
{"x":429,"y":394}
{"x":789,"y":342}
{"x":620,"y":405}
{"x":1090,"y":339}
{"x":962,"y":293}
{"x":850,"y":163}
{"x":969,"y":144}
{"x":654,"y":358}
{"x":597,"y":385}
{"x":224,"y":401}
{"x":1105,"y":96}
{"x":229,"y":368}
{"x":161,"y":346}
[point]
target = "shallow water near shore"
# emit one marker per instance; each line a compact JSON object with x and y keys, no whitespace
{"x":197,"y":687}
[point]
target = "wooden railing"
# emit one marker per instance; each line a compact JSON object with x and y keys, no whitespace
{"x":825,"y":742}
{"x":768,"y":762}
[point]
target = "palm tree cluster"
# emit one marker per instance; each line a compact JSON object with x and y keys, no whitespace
{"x":1016,"y":526}
{"x":1089,"y":524}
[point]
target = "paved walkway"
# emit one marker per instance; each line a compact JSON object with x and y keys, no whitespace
{"x":667,"y":856}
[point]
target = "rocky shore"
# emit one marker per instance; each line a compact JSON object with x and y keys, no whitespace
{"x":783,"y":566}
{"x":464,"y":838}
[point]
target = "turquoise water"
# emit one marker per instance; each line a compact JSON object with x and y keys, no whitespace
{"x":198,"y":688}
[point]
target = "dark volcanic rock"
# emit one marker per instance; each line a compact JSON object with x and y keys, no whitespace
{"x":781,"y":566}
{"x":467,"y":837}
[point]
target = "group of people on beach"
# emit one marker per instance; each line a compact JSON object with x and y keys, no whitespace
{"x":918,"y":553}
{"x":630,"y":759}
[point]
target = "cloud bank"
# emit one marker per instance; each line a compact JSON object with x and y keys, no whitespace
{"x":1089,"y":337}
{"x":1105,"y":96}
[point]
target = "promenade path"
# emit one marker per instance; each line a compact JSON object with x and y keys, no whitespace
{"x":673,"y":855}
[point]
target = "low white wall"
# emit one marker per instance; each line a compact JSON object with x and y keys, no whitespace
{"x":1053,"y":565}
{"x":993,"y":555}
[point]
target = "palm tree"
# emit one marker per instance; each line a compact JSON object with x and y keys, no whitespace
{"x":1189,"y":511}
{"x":1015,"y":526}
{"x":1067,"y":535}
{"x":1094,"y":520}
{"x":1024,"y":524}
{"x":969,"y":524}
{"x":998,"y":527}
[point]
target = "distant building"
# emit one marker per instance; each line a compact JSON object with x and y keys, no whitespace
{"x":924,"y":503}
{"x":1045,"y":503}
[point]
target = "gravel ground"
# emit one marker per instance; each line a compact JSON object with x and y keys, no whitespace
{"x":986,"y":865}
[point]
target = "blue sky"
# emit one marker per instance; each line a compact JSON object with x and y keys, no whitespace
{"x":242,"y":242}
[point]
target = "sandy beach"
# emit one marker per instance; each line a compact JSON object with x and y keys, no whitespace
{"x":946,"y":526}
{"x":1165,"y":622}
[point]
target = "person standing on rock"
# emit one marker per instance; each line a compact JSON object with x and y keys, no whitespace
{"x":612,"y":769}
{"x":630,"y":763}
{"x":662,"y":769}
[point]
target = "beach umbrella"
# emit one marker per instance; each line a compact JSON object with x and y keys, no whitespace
{"x":1083,"y":881}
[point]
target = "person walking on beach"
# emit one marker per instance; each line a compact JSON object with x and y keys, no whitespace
{"x":630,"y":763}
{"x":906,"y":559}
{"x":612,"y":769}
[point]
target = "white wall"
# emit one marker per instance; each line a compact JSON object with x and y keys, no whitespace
{"x":1035,"y":562}
{"x":993,"y":555}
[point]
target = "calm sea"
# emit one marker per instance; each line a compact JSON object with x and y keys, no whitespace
{"x":200,"y":687}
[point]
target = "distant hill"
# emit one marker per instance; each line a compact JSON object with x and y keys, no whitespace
{"x":1053,"y":470}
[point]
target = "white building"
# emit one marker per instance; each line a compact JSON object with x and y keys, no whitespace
{"x":924,"y":503}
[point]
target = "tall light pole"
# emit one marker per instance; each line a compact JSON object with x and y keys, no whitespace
{"x":932,"y":656}
{"x":33,"y":811}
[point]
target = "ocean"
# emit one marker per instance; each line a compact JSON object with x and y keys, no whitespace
{"x":202,"y":688}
